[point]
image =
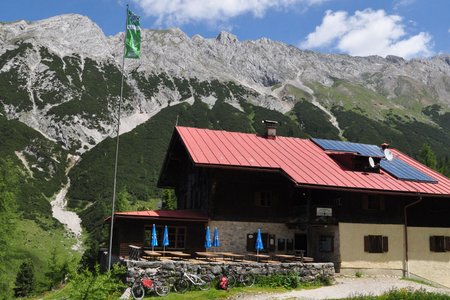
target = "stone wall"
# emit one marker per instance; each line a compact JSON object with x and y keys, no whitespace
{"x":168,"y":268}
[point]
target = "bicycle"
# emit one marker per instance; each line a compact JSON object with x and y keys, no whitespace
{"x":188,"y":279}
{"x":145,"y":283}
{"x":245,"y":279}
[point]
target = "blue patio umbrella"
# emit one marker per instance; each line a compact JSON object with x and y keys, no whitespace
{"x":165,"y":239}
{"x":207,"y":239}
{"x":216,"y":241}
{"x":259,"y":244}
{"x":154,"y":238}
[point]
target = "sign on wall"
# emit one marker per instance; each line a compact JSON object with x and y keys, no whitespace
{"x":324,"y":211}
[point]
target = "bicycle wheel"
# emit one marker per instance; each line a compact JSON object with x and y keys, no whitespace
{"x":138,"y":292}
{"x":205,"y":284}
{"x":247,"y":279}
{"x":231,"y":281}
{"x":162,"y":288}
{"x":181,"y":285}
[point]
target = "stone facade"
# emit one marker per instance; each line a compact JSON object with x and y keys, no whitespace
{"x":168,"y":268}
{"x":233,"y":235}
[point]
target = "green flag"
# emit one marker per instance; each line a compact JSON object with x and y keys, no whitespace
{"x":133,"y":36}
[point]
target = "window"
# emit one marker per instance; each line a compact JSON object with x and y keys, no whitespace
{"x":265,"y":198}
{"x":177,"y":236}
{"x":375,"y":243}
{"x":439,"y":243}
{"x":326,"y":243}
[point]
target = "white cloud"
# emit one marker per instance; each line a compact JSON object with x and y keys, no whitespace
{"x":403,"y":3}
{"x":177,"y":12}
{"x":367,"y":32}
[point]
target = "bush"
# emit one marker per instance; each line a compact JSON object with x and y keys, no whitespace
{"x":288,"y":281}
{"x":87,"y":285}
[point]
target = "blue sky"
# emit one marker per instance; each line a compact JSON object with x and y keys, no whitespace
{"x":408,"y":28}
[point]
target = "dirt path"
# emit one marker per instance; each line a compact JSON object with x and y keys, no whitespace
{"x":346,"y":287}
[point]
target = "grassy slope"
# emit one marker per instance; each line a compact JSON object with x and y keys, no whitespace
{"x":35,"y":243}
{"x":37,"y":233}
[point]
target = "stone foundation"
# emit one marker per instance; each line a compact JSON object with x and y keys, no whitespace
{"x":168,"y":268}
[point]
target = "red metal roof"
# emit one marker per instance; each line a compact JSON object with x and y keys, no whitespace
{"x":301,"y":160}
{"x":192,"y":215}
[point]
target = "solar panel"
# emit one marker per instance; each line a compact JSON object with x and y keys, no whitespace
{"x":396,"y":167}
{"x":362,"y":149}
{"x":401,"y":170}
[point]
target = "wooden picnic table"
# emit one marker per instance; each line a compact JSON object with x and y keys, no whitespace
{"x":206,"y":255}
{"x":231,"y":256}
{"x":286,"y":257}
{"x":176,"y":254}
{"x":259,"y":257}
{"x":151,"y":254}
{"x":307,"y":259}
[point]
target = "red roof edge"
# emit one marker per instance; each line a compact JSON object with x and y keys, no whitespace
{"x":179,"y":214}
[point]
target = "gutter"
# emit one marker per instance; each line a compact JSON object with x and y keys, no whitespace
{"x":405,"y":228}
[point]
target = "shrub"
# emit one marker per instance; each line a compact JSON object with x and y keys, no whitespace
{"x":87,"y":285}
{"x":288,"y":281}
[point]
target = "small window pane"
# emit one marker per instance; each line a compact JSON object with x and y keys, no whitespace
{"x":326,"y":243}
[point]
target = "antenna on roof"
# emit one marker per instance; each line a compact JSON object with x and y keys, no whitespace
{"x":371,"y":162}
{"x":388,"y":154}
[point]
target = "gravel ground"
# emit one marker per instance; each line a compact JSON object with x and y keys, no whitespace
{"x":346,"y":287}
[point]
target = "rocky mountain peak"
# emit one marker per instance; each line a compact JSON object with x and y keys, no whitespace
{"x":64,"y":35}
{"x":225,"y":37}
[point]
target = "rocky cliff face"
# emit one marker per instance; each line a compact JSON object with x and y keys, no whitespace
{"x":62,"y":75}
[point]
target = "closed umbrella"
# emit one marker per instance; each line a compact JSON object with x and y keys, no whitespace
{"x":207,"y":239}
{"x":154,"y":238}
{"x":259,"y":244}
{"x":165,"y":239}
{"x":216,"y":241}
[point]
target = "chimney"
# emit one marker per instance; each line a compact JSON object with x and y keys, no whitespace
{"x":384,"y":146}
{"x":271,"y":129}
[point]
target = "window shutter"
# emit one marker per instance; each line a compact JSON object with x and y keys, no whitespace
{"x":366,"y":244}
{"x":447,"y":243}
{"x":433,"y":243}
{"x":385,"y":244}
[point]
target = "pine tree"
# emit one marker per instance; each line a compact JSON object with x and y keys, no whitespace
{"x":428,"y":157}
{"x":123,"y":200}
{"x":24,"y":280}
{"x":168,"y":199}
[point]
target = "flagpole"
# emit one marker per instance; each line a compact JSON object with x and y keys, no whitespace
{"x":117,"y":148}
